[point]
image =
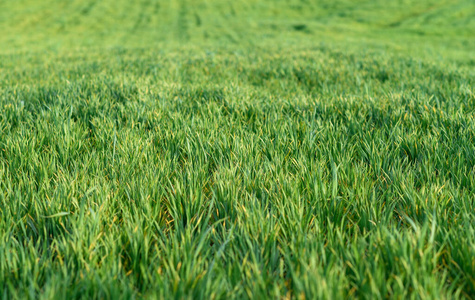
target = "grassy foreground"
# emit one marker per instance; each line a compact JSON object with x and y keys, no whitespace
{"x":230,"y":150}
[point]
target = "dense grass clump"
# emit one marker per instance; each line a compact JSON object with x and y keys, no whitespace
{"x":254,"y":149}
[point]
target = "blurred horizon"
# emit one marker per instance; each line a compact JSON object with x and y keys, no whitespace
{"x":429,"y":27}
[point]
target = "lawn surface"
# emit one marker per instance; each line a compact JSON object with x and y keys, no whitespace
{"x":239,"y":149}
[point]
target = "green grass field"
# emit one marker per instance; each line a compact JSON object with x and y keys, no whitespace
{"x":193,"y":149}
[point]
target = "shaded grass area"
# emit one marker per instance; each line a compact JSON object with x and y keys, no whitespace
{"x":319,"y":161}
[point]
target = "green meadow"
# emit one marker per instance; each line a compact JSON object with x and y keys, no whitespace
{"x":247,"y":149}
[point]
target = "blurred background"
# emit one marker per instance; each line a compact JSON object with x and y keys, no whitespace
{"x":428,"y":27}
